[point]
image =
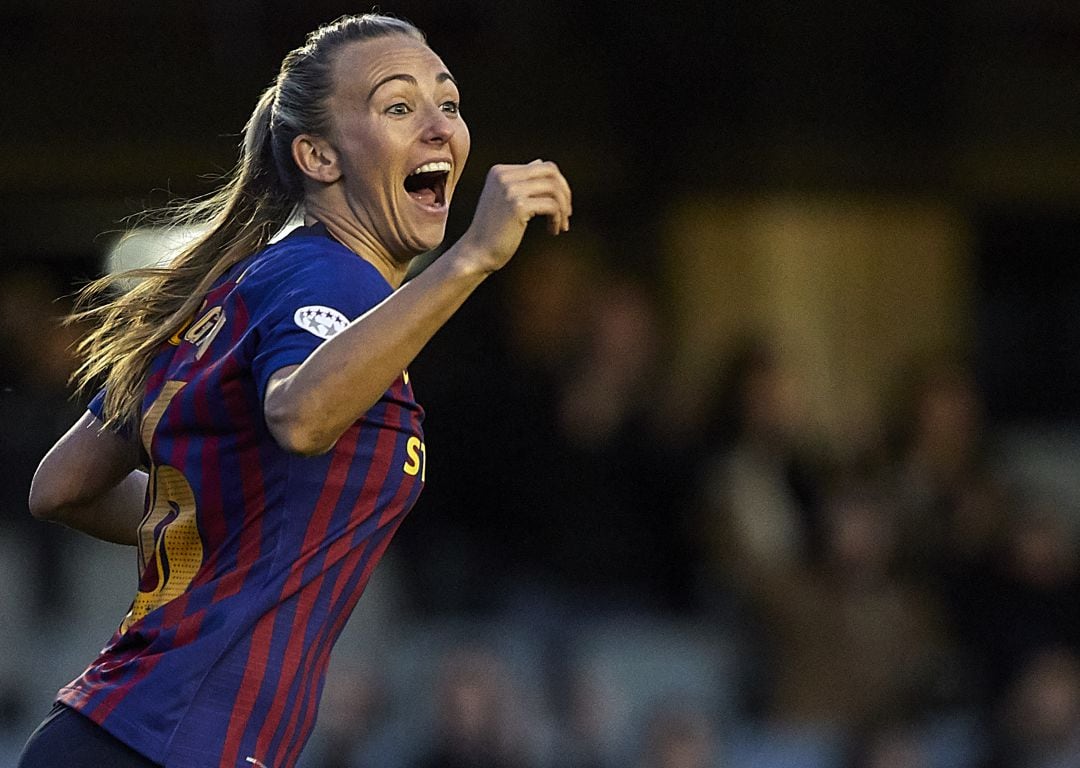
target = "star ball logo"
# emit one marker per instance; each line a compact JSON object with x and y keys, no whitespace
{"x":324,"y":322}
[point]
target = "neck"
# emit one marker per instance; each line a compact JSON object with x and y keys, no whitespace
{"x":357,"y":239}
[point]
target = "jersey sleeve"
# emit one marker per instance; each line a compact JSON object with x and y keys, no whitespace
{"x":96,"y":406}
{"x":308,"y":304}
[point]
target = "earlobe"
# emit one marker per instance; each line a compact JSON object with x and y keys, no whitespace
{"x":316,"y":158}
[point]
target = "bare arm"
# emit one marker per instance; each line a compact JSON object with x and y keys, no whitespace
{"x":89,"y":481}
{"x":308,"y":407}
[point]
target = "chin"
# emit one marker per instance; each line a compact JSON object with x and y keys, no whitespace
{"x":422,"y":243}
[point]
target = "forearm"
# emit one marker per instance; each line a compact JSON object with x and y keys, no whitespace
{"x":111,"y":516}
{"x":310,"y":408}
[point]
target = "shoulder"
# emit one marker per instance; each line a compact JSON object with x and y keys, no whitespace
{"x":307,"y":261}
{"x":308,"y":273}
{"x":300,"y":254}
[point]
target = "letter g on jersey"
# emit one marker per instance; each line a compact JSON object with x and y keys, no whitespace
{"x":324,"y":322}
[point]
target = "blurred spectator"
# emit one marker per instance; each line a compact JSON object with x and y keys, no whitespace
{"x":489,"y":381}
{"x":626,"y":672}
{"x":1029,"y":595}
{"x":760,"y":487}
{"x":545,"y":303}
{"x":679,"y":736}
{"x":352,"y":709}
{"x":890,"y":744}
{"x":847,"y":641}
{"x":557,"y":490}
{"x":1040,"y":718}
{"x":601,"y":501}
{"x":613,"y":377}
{"x":479,"y":720}
{"x":953,"y":507}
{"x":586,"y":706}
{"x":940,"y":431}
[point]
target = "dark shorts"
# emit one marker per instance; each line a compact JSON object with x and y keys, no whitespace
{"x":66,"y":738}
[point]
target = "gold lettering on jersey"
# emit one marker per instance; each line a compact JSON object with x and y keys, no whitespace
{"x":202,"y":331}
{"x":405,"y":375}
{"x":175,"y":545}
{"x":178,"y":336}
{"x":168,"y":540}
{"x":416,"y":458}
{"x":154,"y":413}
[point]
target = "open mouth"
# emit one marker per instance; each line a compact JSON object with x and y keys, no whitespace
{"x":427,"y":184}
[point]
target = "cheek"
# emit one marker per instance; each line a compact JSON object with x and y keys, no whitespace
{"x":463,"y":141}
{"x":368,"y":163}
{"x":362,"y":146}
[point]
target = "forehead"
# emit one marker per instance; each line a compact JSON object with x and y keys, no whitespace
{"x":360,"y":65}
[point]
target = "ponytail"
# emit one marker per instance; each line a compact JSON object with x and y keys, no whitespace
{"x":259,"y":197}
{"x":239,"y":219}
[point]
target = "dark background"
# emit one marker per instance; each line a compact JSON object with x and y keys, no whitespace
{"x":110,"y":107}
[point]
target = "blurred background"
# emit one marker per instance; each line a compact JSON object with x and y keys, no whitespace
{"x":771,"y":461}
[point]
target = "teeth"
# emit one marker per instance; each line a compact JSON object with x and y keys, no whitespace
{"x":441,"y":165}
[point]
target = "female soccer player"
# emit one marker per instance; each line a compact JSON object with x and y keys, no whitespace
{"x":264,"y":389}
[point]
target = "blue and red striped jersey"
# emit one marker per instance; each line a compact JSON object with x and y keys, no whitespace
{"x":250,"y":558}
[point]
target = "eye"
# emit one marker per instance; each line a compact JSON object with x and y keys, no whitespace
{"x":451,"y":107}
{"x":401,"y":108}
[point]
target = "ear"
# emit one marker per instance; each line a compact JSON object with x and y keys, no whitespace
{"x":316,"y":158}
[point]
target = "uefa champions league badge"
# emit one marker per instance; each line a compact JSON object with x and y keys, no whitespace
{"x":323,"y":322}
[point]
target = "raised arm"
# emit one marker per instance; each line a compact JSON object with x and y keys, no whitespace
{"x":309,"y":406}
{"x":89,"y":481}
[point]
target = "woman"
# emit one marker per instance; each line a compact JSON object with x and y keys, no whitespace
{"x":265,"y":389}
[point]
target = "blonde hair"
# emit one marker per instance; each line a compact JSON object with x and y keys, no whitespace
{"x":257,"y":200}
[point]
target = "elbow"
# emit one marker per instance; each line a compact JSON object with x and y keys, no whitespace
{"x":44,"y":504}
{"x":303,"y":443}
{"x":304,"y":420}
{"x":42,"y":511}
{"x":57,"y":491}
{"x":295,"y":434}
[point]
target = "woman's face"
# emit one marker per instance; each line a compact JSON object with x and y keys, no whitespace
{"x":400,"y":139}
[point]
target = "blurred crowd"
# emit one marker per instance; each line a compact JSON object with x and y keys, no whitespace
{"x":601,"y":576}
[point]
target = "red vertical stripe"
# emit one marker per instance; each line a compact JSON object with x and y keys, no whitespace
{"x":214,"y":527}
{"x":259,"y":652}
{"x":143,"y":667}
{"x":248,"y":552}
{"x":316,"y":661}
{"x":379,"y":468}
{"x":211,"y":526}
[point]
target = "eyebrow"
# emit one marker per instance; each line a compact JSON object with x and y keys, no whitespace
{"x":442,"y":77}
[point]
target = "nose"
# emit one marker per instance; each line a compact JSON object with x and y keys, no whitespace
{"x":440,"y":127}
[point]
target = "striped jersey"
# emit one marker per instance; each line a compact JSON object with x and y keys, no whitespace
{"x":250,"y":558}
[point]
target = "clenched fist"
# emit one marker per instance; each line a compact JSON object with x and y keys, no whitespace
{"x":512,"y":195}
